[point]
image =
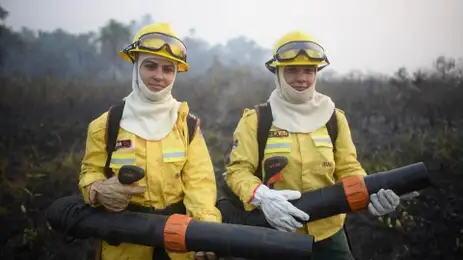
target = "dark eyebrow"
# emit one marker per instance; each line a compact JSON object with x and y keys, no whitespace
{"x":148,"y":62}
{"x":156,"y":62}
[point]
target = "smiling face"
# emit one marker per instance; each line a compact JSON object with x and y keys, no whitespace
{"x":157,"y":73}
{"x":300,"y":77}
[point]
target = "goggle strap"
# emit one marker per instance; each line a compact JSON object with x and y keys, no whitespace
{"x":321,"y":67}
{"x":267,"y":65}
{"x":131,"y":46}
{"x":327,"y":63}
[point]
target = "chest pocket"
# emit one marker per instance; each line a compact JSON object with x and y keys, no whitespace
{"x":124,"y":153}
{"x":324,"y":146}
{"x":174,"y":159}
{"x":279,"y":141}
{"x":173,"y":154}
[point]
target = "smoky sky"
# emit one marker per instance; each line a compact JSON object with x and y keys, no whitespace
{"x":357,"y":34}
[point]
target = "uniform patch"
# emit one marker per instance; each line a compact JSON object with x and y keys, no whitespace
{"x":327,"y":164}
{"x":278,"y":133}
{"x":123,"y":144}
{"x":235,"y":143}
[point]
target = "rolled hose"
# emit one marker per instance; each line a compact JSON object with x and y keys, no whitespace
{"x":353,"y":193}
{"x":176,"y":233}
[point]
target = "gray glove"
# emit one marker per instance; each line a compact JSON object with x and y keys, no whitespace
{"x":383,"y":202}
{"x":386,"y":201}
{"x":277,"y":210}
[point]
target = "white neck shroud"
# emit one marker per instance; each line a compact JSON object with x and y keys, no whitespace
{"x":299,"y":111}
{"x":150,"y":115}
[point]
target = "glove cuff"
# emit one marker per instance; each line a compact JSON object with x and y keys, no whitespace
{"x":258,"y":195}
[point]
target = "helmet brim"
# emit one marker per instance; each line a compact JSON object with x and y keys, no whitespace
{"x":181,"y":65}
{"x":273,"y":64}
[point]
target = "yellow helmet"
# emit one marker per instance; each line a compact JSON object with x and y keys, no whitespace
{"x":297,"y":48}
{"x":159,"y":39}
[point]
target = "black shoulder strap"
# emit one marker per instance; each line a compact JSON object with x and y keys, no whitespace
{"x":112,"y":129}
{"x":332,"y":127}
{"x":264,"y":123}
{"x":192,"y":123}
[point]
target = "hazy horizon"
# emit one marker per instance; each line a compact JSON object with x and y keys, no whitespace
{"x":378,"y":36}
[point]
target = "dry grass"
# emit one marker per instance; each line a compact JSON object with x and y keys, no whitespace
{"x":45,"y":123}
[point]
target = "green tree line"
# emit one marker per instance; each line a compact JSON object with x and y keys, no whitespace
{"x":94,"y":55}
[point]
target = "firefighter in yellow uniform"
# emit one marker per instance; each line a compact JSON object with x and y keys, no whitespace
{"x":299,"y":132}
{"x":153,"y":136}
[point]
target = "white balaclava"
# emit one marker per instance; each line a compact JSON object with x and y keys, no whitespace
{"x":298,"y":111}
{"x":150,"y":115}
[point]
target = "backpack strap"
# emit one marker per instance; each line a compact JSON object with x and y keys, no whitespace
{"x":192,"y":122}
{"x":264,"y":123}
{"x":332,"y":127}
{"x":112,"y":129}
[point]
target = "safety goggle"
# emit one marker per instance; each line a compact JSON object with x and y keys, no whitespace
{"x":291,"y":50}
{"x":157,"y":41}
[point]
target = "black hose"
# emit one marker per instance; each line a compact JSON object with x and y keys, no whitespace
{"x":352,"y":194}
{"x":177,"y":233}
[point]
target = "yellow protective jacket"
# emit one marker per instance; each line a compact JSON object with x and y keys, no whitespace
{"x":174,"y":171}
{"x":311,"y":164}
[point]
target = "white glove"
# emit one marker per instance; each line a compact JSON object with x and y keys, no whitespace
{"x":276,"y":208}
{"x":383,"y":202}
